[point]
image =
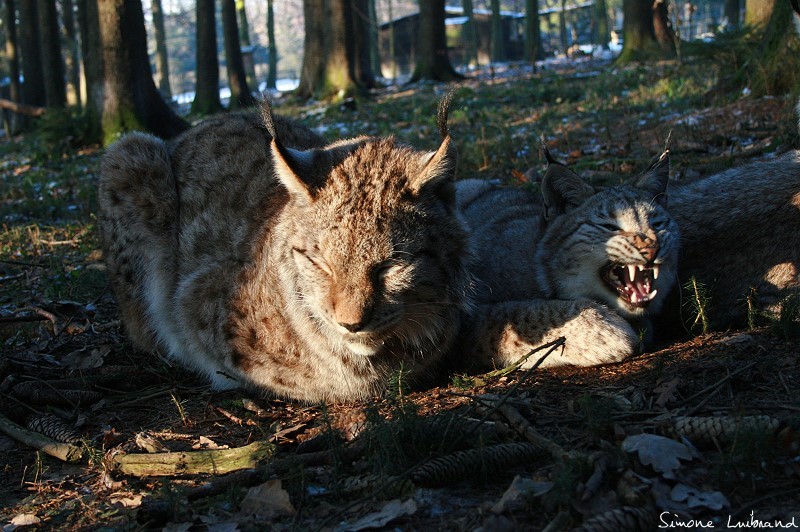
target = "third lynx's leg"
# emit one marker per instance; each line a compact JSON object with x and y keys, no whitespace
{"x":501,"y":333}
{"x":137,"y":220}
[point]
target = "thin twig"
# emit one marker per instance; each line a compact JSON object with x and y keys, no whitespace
{"x":712,"y":390}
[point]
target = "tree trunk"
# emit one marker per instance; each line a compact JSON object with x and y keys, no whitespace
{"x":374,"y":52}
{"x":562,"y":26}
{"x":732,"y":13}
{"x":244,"y":25}
{"x":533,"y":37}
{"x":432,"y":60}
{"x":758,"y":12}
{"x":31,"y":54}
{"x":470,"y":35}
{"x":272,"y":69}
{"x":206,"y":98}
{"x":639,"y":32}
{"x":237,"y":78}
{"x":72,"y":54}
{"x":162,"y":58}
{"x":392,"y":49}
{"x":92,"y":54}
{"x":336,"y":55}
{"x":665,"y":36}
{"x":498,"y":43}
{"x":357,"y":43}
{"x":10,"y":120}
{"x":601,"y":34}
{"x":55,"y":89}
{"x":131,"y":100}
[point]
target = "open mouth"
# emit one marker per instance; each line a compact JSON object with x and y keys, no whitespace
{"x":633,"y":282}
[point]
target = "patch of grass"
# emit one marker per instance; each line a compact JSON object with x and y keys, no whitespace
{"x":697,"y":301}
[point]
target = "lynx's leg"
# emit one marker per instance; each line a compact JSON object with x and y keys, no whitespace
{"x":501,"y":333}
{"x":138,"y":204}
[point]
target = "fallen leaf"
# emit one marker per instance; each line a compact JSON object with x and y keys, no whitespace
{"x":519,"y":492}
{"x":132,"y":501}
{"x":85,"y":359}
{"x":713,"y":500}
{"x":392,"y":510}
{"x":660,"y":453}
{"x":208,"y":443}
{"x":25,"y":520}
{"x":667,"y":392}
{"x":267,"y":500}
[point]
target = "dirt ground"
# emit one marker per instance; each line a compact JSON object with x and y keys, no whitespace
{"x":697,"y":434}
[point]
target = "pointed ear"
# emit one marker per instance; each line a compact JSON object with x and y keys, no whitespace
{"x":439,"y":166}
{"x":562,"y":190}
{"x":297,"y":170}
{"x":656,"y":178}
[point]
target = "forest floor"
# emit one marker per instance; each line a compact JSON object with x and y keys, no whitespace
{"x":700,"y":433}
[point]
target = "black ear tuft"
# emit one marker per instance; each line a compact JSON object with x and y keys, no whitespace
{"x":442,"y":113}
{"x":547,"y":155}
{"x":266,"y":117}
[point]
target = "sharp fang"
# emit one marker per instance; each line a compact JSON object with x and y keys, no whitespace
{"x":632,"y":271}
{"x":640,"y":267}
{"x":652,"y":295}
{"x":655,"y":272}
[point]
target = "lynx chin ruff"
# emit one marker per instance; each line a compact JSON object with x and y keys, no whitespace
{"x":583,"y":259}
{"x":254,"y":252}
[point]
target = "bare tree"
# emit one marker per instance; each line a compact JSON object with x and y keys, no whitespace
{"x":336,"y":55}
{"x":272,"y":66}
{"x":71,"y":53}
{"x":498,"y":39}
{"x":92,"y":56}
{"x":639,"y":31}
{"x":206,"y":96}
{"x":470,"y":35}
{"x":237,"y":78}
{"x":432,"y":59}
{"x":732,"y":13}
{"x":11,"y":121}
{"x":533,"y":37}
{"x":33,"y":92}
{"x":162,"y":58}
{"x":131,"y":100}
{"x":55,"y":89}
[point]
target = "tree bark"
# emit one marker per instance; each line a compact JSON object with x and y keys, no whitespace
{"x":432,"y":60}
{"x":758,"y":12}
{"x":470,"y":35}
{"x":639,"y":32}
{"x":601,"y":34}
{"x":72,"y":55}
{"x":336,"y":55}
{"x":665,"y":36}
{"x":533,"y":37}
{"x":131,"y":100}
{"x":562,"y":26}
{"x":162,"y":58}
{"x":206,"y":98}
{"x":31,"y":54}
{"x":11,"y":122}
{"x":272,"y":66}
{"x":92,"y":54}
{"x":244,"y":25}
{"x":55,"y":89}
{"x":498,"y":44}
{"x":237,"y":78}
{"x":732,"y":13}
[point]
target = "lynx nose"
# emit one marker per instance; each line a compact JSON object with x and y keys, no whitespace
{"x":353,"y":327}
{"x":648,"y":246}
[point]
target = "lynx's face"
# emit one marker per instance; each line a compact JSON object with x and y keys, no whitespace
{"x":618,"y":246}
{"x":627,"y":245}
{"x":378,"y":254}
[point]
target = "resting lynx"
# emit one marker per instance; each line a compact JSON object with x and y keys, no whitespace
{"x":257,"y":254}
{"x":740,"y":237}
{"x":581,"y":257}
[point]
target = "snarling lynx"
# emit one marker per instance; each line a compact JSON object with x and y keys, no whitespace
{"x":254,"y":252}
{"x":576,"y":258}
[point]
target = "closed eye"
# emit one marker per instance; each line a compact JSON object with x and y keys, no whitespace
{"x":315,"y":261}
{"x":609,"y":227}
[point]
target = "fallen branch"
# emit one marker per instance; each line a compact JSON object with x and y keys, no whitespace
{"x":63,"y":451}
{"x":211,"y":461}
{"x":21,"y":108}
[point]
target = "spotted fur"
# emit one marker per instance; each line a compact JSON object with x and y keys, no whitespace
{"x":550,"y":262}
{"x":254,"y":252}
